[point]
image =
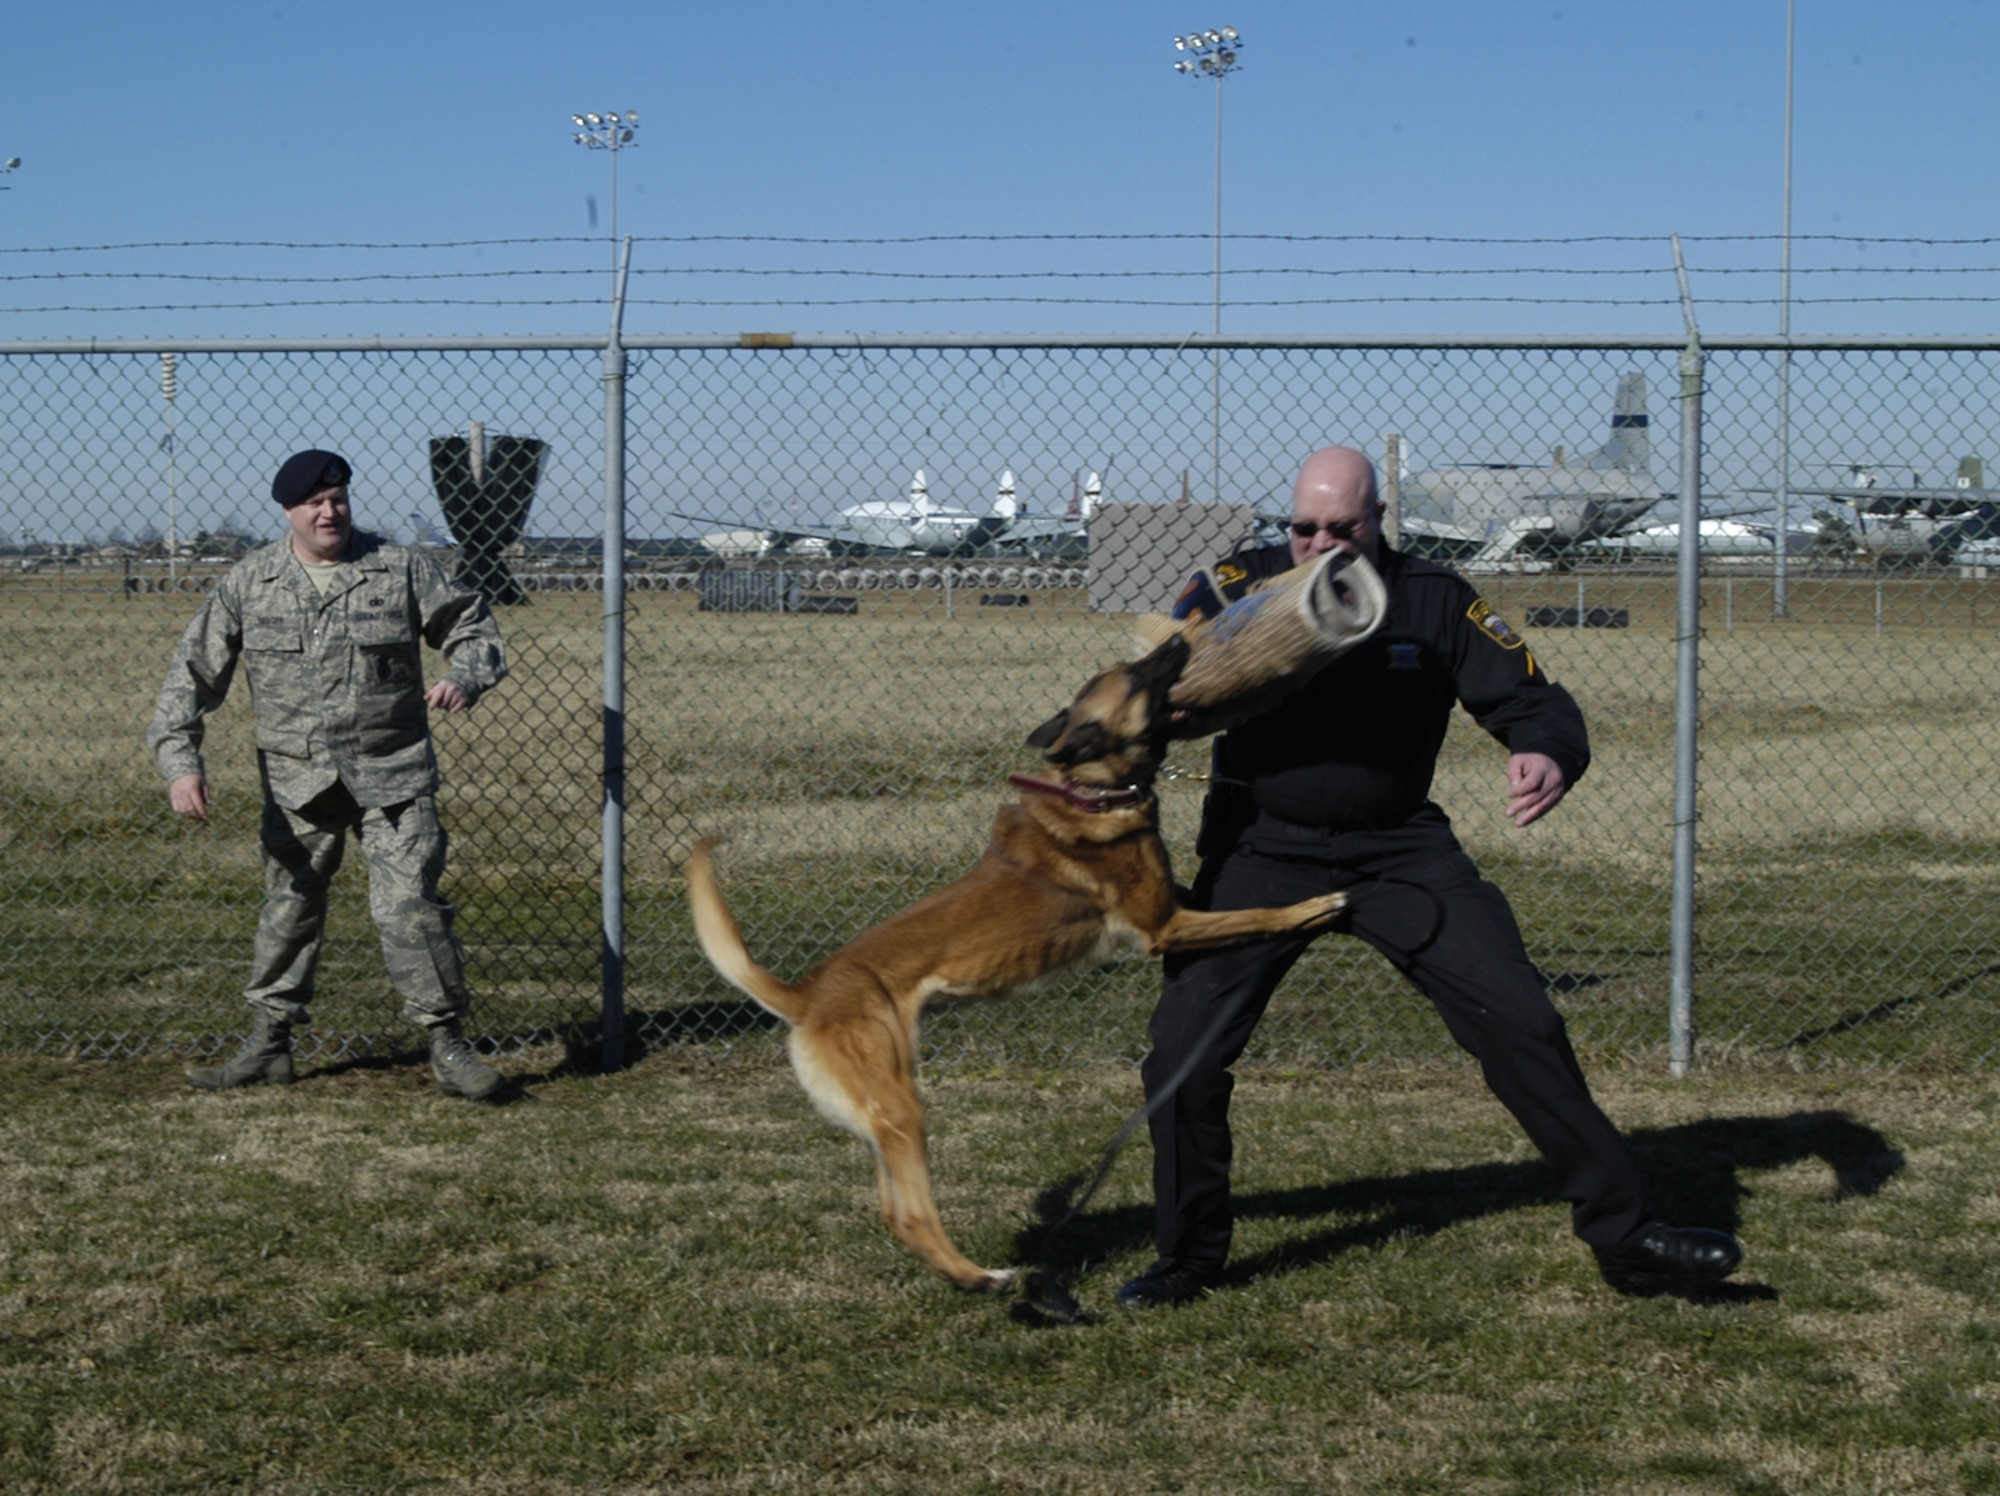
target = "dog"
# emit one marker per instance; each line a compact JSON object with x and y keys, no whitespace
{"x":1075,"y":870}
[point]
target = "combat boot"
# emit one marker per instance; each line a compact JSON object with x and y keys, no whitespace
{"x":264,"y":1060}
{"x":457,"y":1066}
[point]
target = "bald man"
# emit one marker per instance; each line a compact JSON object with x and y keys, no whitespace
{"x":1330,"y":789}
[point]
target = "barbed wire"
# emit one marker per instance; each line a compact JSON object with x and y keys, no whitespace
{"x":824,"y":272}
{"x":1845,"y":284}
{"x":927,"y":301}
{"x":828,"y":240}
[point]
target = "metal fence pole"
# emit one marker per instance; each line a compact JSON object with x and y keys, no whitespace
{"x":1687,"y":691}
{"x":613,"y":853}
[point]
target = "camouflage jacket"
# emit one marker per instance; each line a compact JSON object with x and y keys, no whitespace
{"x":336,"y":680}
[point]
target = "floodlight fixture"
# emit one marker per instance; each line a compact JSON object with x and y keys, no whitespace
{"x":610,"y":131}
{"x":1215,"y":55}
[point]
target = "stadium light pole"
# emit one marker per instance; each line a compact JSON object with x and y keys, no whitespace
{"x":169,"y":388}
{"x":1781,"y":604}
{"x":1213,"y":54}
{"x":613,"y":132}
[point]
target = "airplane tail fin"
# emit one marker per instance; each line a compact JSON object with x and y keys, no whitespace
{"x":1630,"y":446}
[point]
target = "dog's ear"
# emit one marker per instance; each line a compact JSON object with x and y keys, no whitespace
{"x":1050,"y":730}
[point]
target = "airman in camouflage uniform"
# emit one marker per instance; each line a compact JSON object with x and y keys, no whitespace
{"x":328,"y":625}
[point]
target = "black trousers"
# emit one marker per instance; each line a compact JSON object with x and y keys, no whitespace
{"x":1418,"y":899}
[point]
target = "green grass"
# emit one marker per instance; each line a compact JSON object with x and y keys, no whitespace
{"x":673,"y":1278}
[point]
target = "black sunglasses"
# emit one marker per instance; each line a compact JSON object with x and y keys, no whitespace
{"x":1340,"y":529}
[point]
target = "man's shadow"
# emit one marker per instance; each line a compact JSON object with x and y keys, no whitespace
{"x":1692,"y":1170}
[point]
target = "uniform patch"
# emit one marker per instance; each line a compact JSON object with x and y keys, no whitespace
{"x":1492,"y":625}
{"x":1229,"y":574}
{"x":1404,"y":657}
{"x":1501,"y":632}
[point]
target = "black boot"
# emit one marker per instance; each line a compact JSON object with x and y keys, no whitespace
{"x":264,"y":1060}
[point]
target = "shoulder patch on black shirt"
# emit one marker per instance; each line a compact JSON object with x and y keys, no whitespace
{"x":1492,"y":625}
{"x":1228,"y":573}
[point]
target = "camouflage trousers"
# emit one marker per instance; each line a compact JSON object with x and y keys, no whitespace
{"x":404,"y":846}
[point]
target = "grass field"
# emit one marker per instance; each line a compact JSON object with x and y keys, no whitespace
{"x":1848,"y":852}
{"x":672,"y":1280}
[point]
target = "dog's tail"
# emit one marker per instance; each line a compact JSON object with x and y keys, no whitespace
{"x":722,"y":942}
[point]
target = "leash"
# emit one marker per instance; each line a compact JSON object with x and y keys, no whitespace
{"x":1044,"y":1289}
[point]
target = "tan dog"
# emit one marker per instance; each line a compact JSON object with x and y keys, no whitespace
{"x":1075,"y":870}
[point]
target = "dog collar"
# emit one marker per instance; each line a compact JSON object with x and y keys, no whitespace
{"x":1082,"y":796}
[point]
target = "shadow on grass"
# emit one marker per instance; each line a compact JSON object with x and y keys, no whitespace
{"x":1692,"y":1171}
{"x":580,"y":1044}
{"x":1885,"y":1010}
{"x":649,"y":1030}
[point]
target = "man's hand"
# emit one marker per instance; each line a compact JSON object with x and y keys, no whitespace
{"x":1534,"y":785}
{"x":446,"y":696}
{"x":189,"y":796}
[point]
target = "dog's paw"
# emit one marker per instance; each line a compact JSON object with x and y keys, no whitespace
{"x":1321,"y":911}
{"x":994,"y":1280}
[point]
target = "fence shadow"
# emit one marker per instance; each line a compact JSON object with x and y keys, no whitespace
{"x":1693,"y":1172}
{"x":1888,"y":1008}
{"x":649,"y":1030}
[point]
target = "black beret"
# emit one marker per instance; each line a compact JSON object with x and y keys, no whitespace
{"x":306,"y":473}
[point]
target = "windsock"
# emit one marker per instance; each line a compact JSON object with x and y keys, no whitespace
{"x":1269,"y":642}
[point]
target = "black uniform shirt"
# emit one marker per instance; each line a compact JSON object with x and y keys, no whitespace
{"x":1356,"y":747}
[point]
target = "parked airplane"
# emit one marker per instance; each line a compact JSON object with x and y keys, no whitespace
{"x":1497,"y":513}
{"x":916,"y":524}
{"x":1057,"y":537}
{"x":1905,"y":525}
{"x":1724,"y":539}
{"x":889,"y":527}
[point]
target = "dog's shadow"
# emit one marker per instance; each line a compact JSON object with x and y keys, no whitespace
{"x":1693,"y":1172}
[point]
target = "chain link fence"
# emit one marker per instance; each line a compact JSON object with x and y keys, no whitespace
{"x":847,"y":718}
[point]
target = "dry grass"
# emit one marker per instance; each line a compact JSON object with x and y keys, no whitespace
{"x":673,"y":1279}
{"x":853,"y":761}
{"x":718,"y":698}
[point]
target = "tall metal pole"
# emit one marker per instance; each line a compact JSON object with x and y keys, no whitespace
{"x":1215,"y":323}
{"x":1687,"y":687}
{"x":613,"y":131}
{"x":613,"y":853}
{"x":614,"y":218}
{"x":1213,"y":54}
{"x":1781,"y":605}
{"x":610,"y":131}
{"x":1781,"y":591}
{"x":169,"y":388}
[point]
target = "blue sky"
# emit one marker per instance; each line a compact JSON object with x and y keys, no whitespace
{"x":434,"y":123}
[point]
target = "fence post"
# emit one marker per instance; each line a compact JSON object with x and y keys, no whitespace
{"x":1687,"y":691}
{"x":612,"y":1053}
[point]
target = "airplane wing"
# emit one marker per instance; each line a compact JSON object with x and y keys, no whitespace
{"x":732,"y":537}
{"x":1931,"y":503}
